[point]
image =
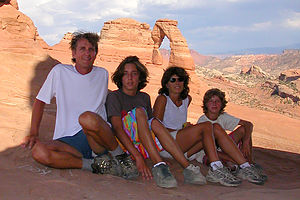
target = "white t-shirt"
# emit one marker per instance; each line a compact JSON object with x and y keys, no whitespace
{"x":226,"y":121}
{"x":75,"y":93}
{"x":175,"y":117}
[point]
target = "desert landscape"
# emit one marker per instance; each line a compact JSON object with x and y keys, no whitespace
{"x":264,"y":89}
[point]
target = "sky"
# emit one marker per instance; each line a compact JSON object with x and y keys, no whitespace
{"x":209,"y":26}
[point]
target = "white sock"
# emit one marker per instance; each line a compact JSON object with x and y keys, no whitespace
{"x":159,"y":163}
{"x":244,"y":165}
{"x":216,"y":165}
{"x":117,"y":151}
{"x":87,"y":164}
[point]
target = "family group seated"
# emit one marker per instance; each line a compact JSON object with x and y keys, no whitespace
{"x":115,"y":132}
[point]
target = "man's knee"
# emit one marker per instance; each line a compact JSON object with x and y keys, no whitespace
{"x":41,"y":154}
{"x":90,"y":120}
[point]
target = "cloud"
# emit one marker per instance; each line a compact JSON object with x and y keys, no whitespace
{"x":233,"y":29}
{"x":260,"y":26}
{"x":200,"y":21}
{"x":293,"y":21}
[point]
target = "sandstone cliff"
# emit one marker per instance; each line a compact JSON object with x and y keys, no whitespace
{"x":123,"y":37}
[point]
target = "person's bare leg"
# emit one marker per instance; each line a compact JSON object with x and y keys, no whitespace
{"x":168,"y":143}
{"x":98,"y":132}
{"x":240,"y":135}
{"x":195,"y":148}
{"x":57,"y":154}
{"x":193,"y":136}
{"x":228,"y":145}
{"x":145,"y":135}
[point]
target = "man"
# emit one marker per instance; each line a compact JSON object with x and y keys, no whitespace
{"x":81,"y":130}
{"x":130,"y":114}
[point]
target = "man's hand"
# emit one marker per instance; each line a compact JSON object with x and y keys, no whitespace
{"x":143,"y":168}
{"x":29,"y":141}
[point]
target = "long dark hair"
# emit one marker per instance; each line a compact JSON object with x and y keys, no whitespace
{"x":143,"y":72}
{"x":181,"y":73}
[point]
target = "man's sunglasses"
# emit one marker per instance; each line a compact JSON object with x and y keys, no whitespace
{"x":180,"y":79}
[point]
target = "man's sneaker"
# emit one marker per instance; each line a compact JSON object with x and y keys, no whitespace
{"x":104,"y":165}
{"x":128,"y":167}
{"x":250,"y":174}
{"x":163,"y":176}
{"x":193,"y":175}
{"x":223,"y":176}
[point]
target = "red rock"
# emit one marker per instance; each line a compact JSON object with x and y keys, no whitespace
{"x":123,"y":37}
{"x":180,"y":54}
{"x":14,"y":3}
{"x":290,"y":75}
{"x":255,"y":71}
{"x":18,"y":33}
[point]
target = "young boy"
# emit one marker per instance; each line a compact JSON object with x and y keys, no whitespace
{"x":130,"y":114}
{"x":214,"y":103}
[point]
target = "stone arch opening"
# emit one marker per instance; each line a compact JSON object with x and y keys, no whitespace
{"x":180,"y":54}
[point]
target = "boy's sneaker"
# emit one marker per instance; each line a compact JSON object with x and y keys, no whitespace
{"x":250,"y":174}
{"x":193,"y":175}
{"x":163,"y":176}
{"x":104,"y":165}
{"x":223,"y":176}
{"x":128,"y":166}
{"x":260,"y":171}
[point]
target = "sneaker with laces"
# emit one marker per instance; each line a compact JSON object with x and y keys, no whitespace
{"x":250,"y":174}
{"x":163,"y":176}
{"x":223,"y":176}
{"x":192,"y":175}
{"x":103,"y":164}
{"x":260,"y":171}
{"x":128,"y":166}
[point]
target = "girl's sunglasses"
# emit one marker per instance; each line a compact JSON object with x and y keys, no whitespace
{"x":173,"y":80}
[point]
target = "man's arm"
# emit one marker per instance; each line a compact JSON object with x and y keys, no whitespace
{"x":36,"y":118}
{"x":124,"y":139}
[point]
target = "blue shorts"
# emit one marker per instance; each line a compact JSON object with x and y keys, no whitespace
{"x":79,"y":142}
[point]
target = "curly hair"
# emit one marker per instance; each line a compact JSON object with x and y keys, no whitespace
{"x":181,"y":73}
{"x":209,"y":94}
{"x":143,"y":72}
{"x":93,"y":38}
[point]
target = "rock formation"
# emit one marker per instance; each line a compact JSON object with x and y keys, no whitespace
{"x":17,"y":31}
{"x":286,"y":92}
{"x":290,"y":75}
{"x":123,"y":37}
{"x":254,"y":71}
{"x":180,"y":54}
{"x":14,"y":3}
{"x":24,"y":65}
